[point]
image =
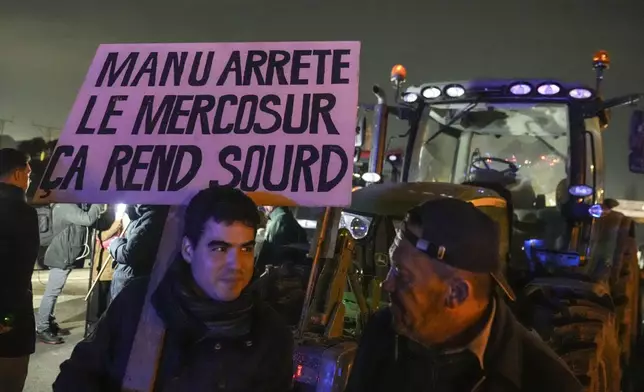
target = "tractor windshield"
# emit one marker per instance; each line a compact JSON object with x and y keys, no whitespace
{"x":522,"y":146}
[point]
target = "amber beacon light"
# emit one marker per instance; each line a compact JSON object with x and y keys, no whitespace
{"x":398,"y":74}
{"x":601,"y":60}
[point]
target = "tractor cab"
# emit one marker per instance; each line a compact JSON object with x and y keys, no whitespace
{"x":536,"y":142}
{"x":519,"y":147}
{"x":522,"y":147}
{"x":513,"y":137}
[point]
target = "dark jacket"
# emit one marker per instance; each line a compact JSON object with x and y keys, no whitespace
{"x":515,"y":360}
{"x":282,"y":229}
{"x":70,"y":229}
{"x":137,"y":249}
{"x":19,"y":243}
{"x":259,"y":362}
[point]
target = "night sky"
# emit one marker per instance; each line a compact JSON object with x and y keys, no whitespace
{"x":46,"y":46}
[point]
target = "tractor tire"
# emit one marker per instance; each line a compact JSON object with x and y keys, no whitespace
{"x":625,"y":289}
{"x":611,"y":262}
{"x":632,"y":276}
{"x":586,"y":340}
{"x":582,"y":330}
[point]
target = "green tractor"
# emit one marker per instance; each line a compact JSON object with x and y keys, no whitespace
{"x":529,"y":154}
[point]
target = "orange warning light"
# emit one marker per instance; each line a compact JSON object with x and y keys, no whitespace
{"x":398,"y":72}
{"x":601,"y":58}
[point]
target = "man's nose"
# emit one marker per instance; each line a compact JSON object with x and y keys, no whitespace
{"x":233,"y":258}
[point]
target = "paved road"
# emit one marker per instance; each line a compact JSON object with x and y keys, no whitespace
{"x":70,"y":313}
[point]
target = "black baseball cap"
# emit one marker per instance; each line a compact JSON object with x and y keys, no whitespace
{"x":457,"y":233}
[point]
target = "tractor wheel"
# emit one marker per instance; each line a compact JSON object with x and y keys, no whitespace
{"x":580,"y":327}
{"x":586,"y":340}
{"x":632,"y":320}
{"x":625,"y":290}
{"x":633,"y":276}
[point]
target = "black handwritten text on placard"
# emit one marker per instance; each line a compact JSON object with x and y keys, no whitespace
{"x":130,"y":70}
{"x":211,"y":111}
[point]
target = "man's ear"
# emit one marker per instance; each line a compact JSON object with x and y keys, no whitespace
{"x":15,"y":176}
{"x":459,"y":291}
{"x":186,"y":250}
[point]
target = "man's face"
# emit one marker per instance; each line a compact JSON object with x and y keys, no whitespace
{"x":22,"y":177}
{"x":222,"y":260}
{"x":418,"y":295}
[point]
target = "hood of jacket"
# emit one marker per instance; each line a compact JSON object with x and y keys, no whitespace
{"x":278,"y":212}
{"x":144,"y":208}
{"x":137,"y":211}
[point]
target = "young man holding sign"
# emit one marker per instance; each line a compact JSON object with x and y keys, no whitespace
{"x":218,"y":334}
{"x":155,"y":123}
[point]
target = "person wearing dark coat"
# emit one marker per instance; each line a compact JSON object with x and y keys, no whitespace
{"x":135,"y":252}
{"x":71,"y":225}
{"x":446,"y":329}
{"x":19,"y":243}
{"x":218,"y":334}
{"x":282,"y":229}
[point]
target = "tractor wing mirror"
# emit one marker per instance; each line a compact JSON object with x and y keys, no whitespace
{"x":361,"y":130}
{"x":636,"y":142}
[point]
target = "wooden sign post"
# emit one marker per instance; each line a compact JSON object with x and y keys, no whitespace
{"x":141,"y":370}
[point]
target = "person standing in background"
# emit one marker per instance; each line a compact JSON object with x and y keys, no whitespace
{"x":281,"y":229}
{"x":71,"y":225}
{"x":610,"y":204}
{"x":136,"y":252}
{"x":109,"y":227}
{"x":19,"y":243}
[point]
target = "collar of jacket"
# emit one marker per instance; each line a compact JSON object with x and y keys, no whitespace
{"x":500,"y":346}
{"x":503,"y":352}
{"x":12,"y":192}
{"x":479,"y":344}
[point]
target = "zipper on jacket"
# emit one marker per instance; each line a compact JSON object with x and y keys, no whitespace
{"x":396,"y":348}
{"x":478,"y":384}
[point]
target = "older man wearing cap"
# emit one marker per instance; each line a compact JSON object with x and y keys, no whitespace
{"x":446,"y":329}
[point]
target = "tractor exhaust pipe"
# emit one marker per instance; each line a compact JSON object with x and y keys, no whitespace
{"x":379,"y":137}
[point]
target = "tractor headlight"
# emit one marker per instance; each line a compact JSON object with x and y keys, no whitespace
{"x":455,"y":91}
{"x":357,"y":225}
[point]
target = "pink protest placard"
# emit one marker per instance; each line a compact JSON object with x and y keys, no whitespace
{"x":155,"y":123}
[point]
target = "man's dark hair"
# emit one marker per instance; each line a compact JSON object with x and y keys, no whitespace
{"x":12,"y":159}
{"x":611,"y":203}
{"x":221,"y":204}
